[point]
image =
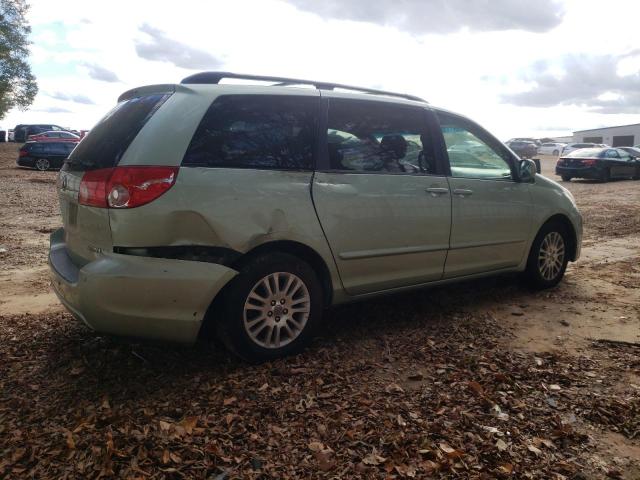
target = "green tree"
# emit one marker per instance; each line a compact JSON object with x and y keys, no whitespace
{"x":18,"y":87}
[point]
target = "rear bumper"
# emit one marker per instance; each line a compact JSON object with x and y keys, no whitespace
{"x":25,"y":162}
{"x":143,"y":297}
{"x":593,"y":173}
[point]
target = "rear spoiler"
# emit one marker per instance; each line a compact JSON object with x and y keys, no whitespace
{"x":147,"y":90}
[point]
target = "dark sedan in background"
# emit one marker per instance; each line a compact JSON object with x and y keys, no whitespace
{"x":44,"y":155}
{"x":523,"y":149}
{"x":598,"y":164}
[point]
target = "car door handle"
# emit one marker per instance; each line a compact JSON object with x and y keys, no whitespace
{"x":462,"y":192}
{"x":435,"y":191}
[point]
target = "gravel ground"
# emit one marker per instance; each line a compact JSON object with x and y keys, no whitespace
{"x":477,"y":380}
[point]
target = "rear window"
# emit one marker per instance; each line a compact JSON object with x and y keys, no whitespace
{"x":586,"y":153}
{"x":256,"y":131}
{"x":104,"y":146}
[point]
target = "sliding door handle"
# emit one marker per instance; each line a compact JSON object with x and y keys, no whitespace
{"x":462,"y":192}
{"x":435,"y":191}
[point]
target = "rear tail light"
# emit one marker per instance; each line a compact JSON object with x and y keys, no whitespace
{"x":23,"y":153}
{"x":125,"y":187}
{"x":588,"y":163}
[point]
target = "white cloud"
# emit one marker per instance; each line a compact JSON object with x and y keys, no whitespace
{"x":467,"y":71}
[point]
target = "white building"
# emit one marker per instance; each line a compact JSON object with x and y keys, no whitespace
{"x":621,"y":136}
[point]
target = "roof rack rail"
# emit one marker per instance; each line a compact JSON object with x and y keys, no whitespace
{"x":215,"y":77}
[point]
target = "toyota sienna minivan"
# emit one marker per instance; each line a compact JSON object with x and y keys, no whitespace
{"x":246,"y":210}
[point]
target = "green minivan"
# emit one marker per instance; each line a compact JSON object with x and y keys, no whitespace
{"x":248,"y":209}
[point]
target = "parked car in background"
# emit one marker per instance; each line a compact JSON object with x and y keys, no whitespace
{"x":601,"y":164}
{"x":324,"y":210}
{"x":44,"y":155}
{"x":551,"y":148}
{"x":54,"y":135}
{"x":524,"y":149}
{"x":526,"y":139}
{"x":22,"y":132}
{"x":570,"y":147}
{"x":10,"y":135}
{"x":3,"y":135}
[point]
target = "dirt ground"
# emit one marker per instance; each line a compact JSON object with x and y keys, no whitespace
{"x":478,"y":380}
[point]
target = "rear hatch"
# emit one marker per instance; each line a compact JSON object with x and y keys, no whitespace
{"x":86,"y":227}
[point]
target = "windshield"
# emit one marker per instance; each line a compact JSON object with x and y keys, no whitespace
{"x":586,"y":153}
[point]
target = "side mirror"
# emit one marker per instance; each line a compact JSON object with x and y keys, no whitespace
{"x":527,"y":171}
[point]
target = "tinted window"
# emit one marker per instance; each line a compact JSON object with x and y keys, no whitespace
{"x":55,"y":148}
{"x":611,"y":154}
{"x":624,"y":155}
{"x":378,"y":137}
{"x":256,"y":131}
{"x":109,"y":139}
{"x":587,"y":153}
{"x":472,"y":152}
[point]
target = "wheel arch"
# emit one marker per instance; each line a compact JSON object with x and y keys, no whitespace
{"x":568,"y":225}
{"x":297,"y":249}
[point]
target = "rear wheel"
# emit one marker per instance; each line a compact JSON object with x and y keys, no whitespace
{"x":566,"y":178}
{"x":636,"y":176}
{"x":548,"y":257}
{"x":556,"y":153}
{"x":605,"y":176}
{"x":42,"y":164}
{"x":271,"y":308}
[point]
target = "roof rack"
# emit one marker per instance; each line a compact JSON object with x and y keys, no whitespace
{"x":215,"y":77}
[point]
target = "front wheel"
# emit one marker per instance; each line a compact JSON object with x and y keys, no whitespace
{"x":566,"y":178}
{"x":271,"y":308}
{"x":42,"y":164}
{"x":548,"y":257}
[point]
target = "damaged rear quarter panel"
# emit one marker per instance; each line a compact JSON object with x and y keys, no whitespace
{"x":224,"y":207}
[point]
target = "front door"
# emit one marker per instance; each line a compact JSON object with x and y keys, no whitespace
{"x":491,"y":211}
{"x":382,"y":200}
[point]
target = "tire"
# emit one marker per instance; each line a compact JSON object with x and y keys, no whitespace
{"x":566,"y":178}
{"x":42,"y":164}
{"x":255,"y":333}
{"x":636,"y":176}
{"x":545,"y":271}
{"x":556,"y":153}
{"x":605,"y":176}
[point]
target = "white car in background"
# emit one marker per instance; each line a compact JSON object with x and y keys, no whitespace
{"x":570,"y":147}
{"x":551,"y":148}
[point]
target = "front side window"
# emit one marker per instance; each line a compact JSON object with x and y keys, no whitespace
{"x":367,"y":136}
{"x":472,"y":152}
{"x":623,"y":154}
{"x":611,"y":154}
{"x":256,"y":131}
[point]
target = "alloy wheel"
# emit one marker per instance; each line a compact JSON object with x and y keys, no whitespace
{"x":42,"y":164}
{"x":277,"y":310}
{"x":551,"y":256}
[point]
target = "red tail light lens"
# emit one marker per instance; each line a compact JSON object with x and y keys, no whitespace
{"x":589,"y":163}
{"x":125,"y":187}
{"x":23,"y":153}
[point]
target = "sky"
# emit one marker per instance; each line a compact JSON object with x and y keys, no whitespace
{"x":518,"y":67}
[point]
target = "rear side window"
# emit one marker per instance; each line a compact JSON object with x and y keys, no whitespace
{"x":57,"y":148}
{"x":256,"y":131}
{"x":104,"y":146}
